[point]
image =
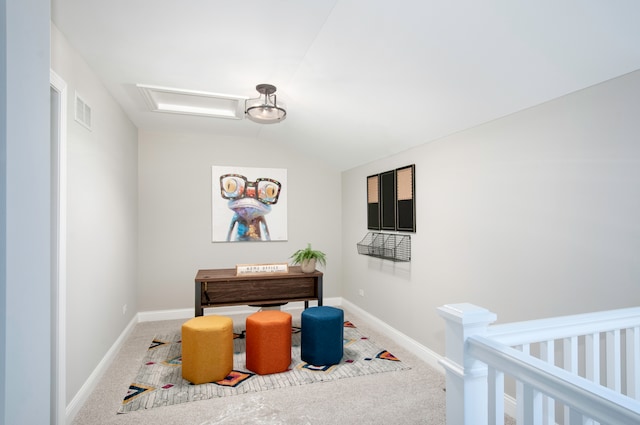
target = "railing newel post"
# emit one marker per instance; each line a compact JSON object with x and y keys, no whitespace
{"x":466,"y":377}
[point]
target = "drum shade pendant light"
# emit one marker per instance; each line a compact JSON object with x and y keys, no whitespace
{"x":265,"y":109}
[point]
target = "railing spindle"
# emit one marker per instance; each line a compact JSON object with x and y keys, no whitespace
{"x":496,"y":396}
{"x":592,"y":357}
{"x":570,"y":363}
{"x":613,"y":360}
{"x":520,"y":393}
{"x":633,"y":358}
{"x":547,"y":354}
{"x":532,"y":402}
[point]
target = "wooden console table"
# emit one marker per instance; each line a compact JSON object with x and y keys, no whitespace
{"x":221,"y":287}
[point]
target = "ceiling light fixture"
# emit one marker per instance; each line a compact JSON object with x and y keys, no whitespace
{"x":264,"y":109}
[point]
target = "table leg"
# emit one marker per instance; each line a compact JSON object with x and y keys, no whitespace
{"x":198,"y":300}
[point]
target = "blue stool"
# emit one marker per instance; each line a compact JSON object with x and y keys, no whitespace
{"x":322,"y":339}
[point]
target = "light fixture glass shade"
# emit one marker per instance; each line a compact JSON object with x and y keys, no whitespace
{"x":265,"y":109}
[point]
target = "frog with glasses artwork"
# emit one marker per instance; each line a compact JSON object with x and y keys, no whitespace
{"x":250,"y":201}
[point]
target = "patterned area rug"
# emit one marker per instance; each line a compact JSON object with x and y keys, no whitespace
{"x":159,"y":381}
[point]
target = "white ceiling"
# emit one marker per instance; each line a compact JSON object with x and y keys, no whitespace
{"x":362,"y":79}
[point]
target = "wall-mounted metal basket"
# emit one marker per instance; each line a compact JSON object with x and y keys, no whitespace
{"x":388,"y":246}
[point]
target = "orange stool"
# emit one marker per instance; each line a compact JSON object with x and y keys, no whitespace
{"x":207,"y":349}
{"x":268,"y":341}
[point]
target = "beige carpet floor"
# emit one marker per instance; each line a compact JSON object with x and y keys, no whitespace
{"x":412,"y":396}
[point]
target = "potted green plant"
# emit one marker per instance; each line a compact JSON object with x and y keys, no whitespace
{"x":307,"y":258}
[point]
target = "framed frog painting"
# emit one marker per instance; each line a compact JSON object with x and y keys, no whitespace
{"x":248,"y":204}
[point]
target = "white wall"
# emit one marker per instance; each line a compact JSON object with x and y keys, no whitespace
{"x":175,"y":213}
{"x":101,"y":221}
{"x":25,"y":213}
{"x":532,"y":215}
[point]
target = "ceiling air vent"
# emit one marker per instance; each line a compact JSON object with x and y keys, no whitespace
{"x":83,"y":112}
{"x":192,"y":102}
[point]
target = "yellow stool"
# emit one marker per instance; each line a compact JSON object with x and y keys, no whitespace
{"x":207,"y":349}
{"x":268,"y":342}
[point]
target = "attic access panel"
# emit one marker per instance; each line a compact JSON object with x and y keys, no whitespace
{"x":192,"y":102}
{"x":391,"y":200}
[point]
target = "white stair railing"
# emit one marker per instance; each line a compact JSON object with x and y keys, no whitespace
{"x":567,"y":370}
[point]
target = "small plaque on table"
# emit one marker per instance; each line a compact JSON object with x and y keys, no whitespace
{"x":255,"y":269}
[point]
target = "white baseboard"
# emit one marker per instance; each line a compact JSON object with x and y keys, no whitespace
{"x":430,"y":357}
{"x":92,"y":382}
{"x":158,"y":315}
{"x":236,"y":310}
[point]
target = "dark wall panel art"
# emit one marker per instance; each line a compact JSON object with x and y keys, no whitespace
{"x":391,"y":200}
